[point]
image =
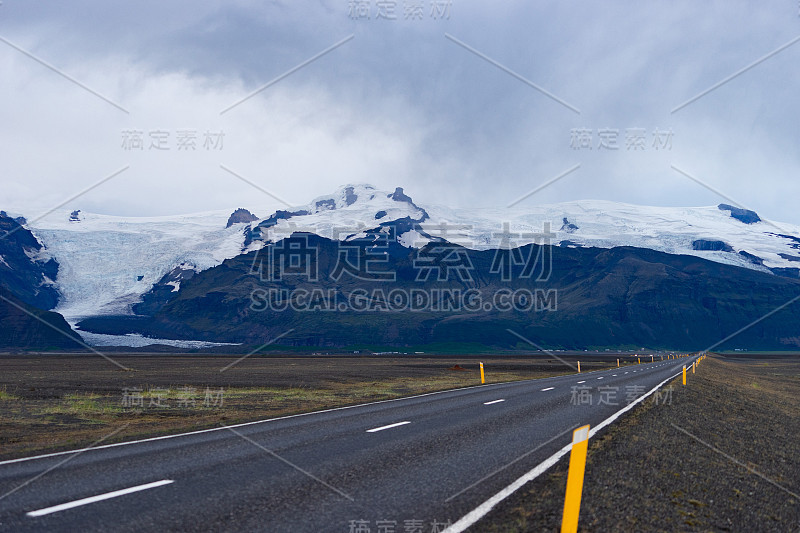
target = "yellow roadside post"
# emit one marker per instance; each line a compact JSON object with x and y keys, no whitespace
{"x":617,"y":363}
{"x":684,"y":374}
{"x":579,"y":367}
{"x":651,"y":358}
{"x":483,"y":379}
{"x":577,"y":467}
{"x":638,"y":361}
{"x":693,"y":364}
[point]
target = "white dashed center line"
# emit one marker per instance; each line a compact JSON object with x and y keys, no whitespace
{"x":548,"y":388}
{"x":374,"y":430}
{"x":493,"y":401}
{"x":584,"y":381}
{"x":98,"y":498}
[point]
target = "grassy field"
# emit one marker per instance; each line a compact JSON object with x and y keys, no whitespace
{"x":56,"y":403}
{"x":722,"y":455}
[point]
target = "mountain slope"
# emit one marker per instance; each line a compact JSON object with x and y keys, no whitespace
{"x":26,"y":269}
{"x":21,"y":331}
{"x":592,"y":297}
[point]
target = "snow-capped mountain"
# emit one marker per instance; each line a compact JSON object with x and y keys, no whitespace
{"x":107,"y":263}
{"x":342,"y":216}
{"x":723,"y":233}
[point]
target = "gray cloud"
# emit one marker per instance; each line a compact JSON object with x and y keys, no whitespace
{"x":400,"y":104}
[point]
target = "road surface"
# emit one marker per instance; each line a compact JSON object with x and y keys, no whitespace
{"x":425,"y":461}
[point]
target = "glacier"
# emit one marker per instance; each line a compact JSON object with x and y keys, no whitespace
{"x":107,"y":263}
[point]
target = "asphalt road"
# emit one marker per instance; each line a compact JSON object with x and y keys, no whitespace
{"x":418,"y":463}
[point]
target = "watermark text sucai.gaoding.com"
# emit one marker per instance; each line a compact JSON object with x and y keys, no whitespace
{"x":366,"y":254}
{"x":364,"y":270}
{"x":402,"y":300}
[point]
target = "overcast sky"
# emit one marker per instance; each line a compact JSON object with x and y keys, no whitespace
{"x":466,"y":103}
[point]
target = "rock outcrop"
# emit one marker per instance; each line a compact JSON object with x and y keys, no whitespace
{"x":241,"y":216}
{"x":742,"y":215}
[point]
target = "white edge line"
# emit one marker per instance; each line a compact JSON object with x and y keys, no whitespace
{"x":493,"y":401}
{"x":98,"y":498}
{"x":479,"y":512}
{"x":390,"y":426}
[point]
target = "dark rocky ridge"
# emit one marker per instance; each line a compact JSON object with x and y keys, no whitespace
{"x":399,"y":196}
{"x":350,"y":196}
{"x":240,"y":216}
{"x":743,"y":215}
{"x":711,"y":246}
{"x":21,"y":272}
{"x":752,"y":258}
{"x":568,"y":226}
{"x":328,"y":203}
{"x":165,"y":290}
{"x":795,"y":240}
{"x":24,"y":327}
